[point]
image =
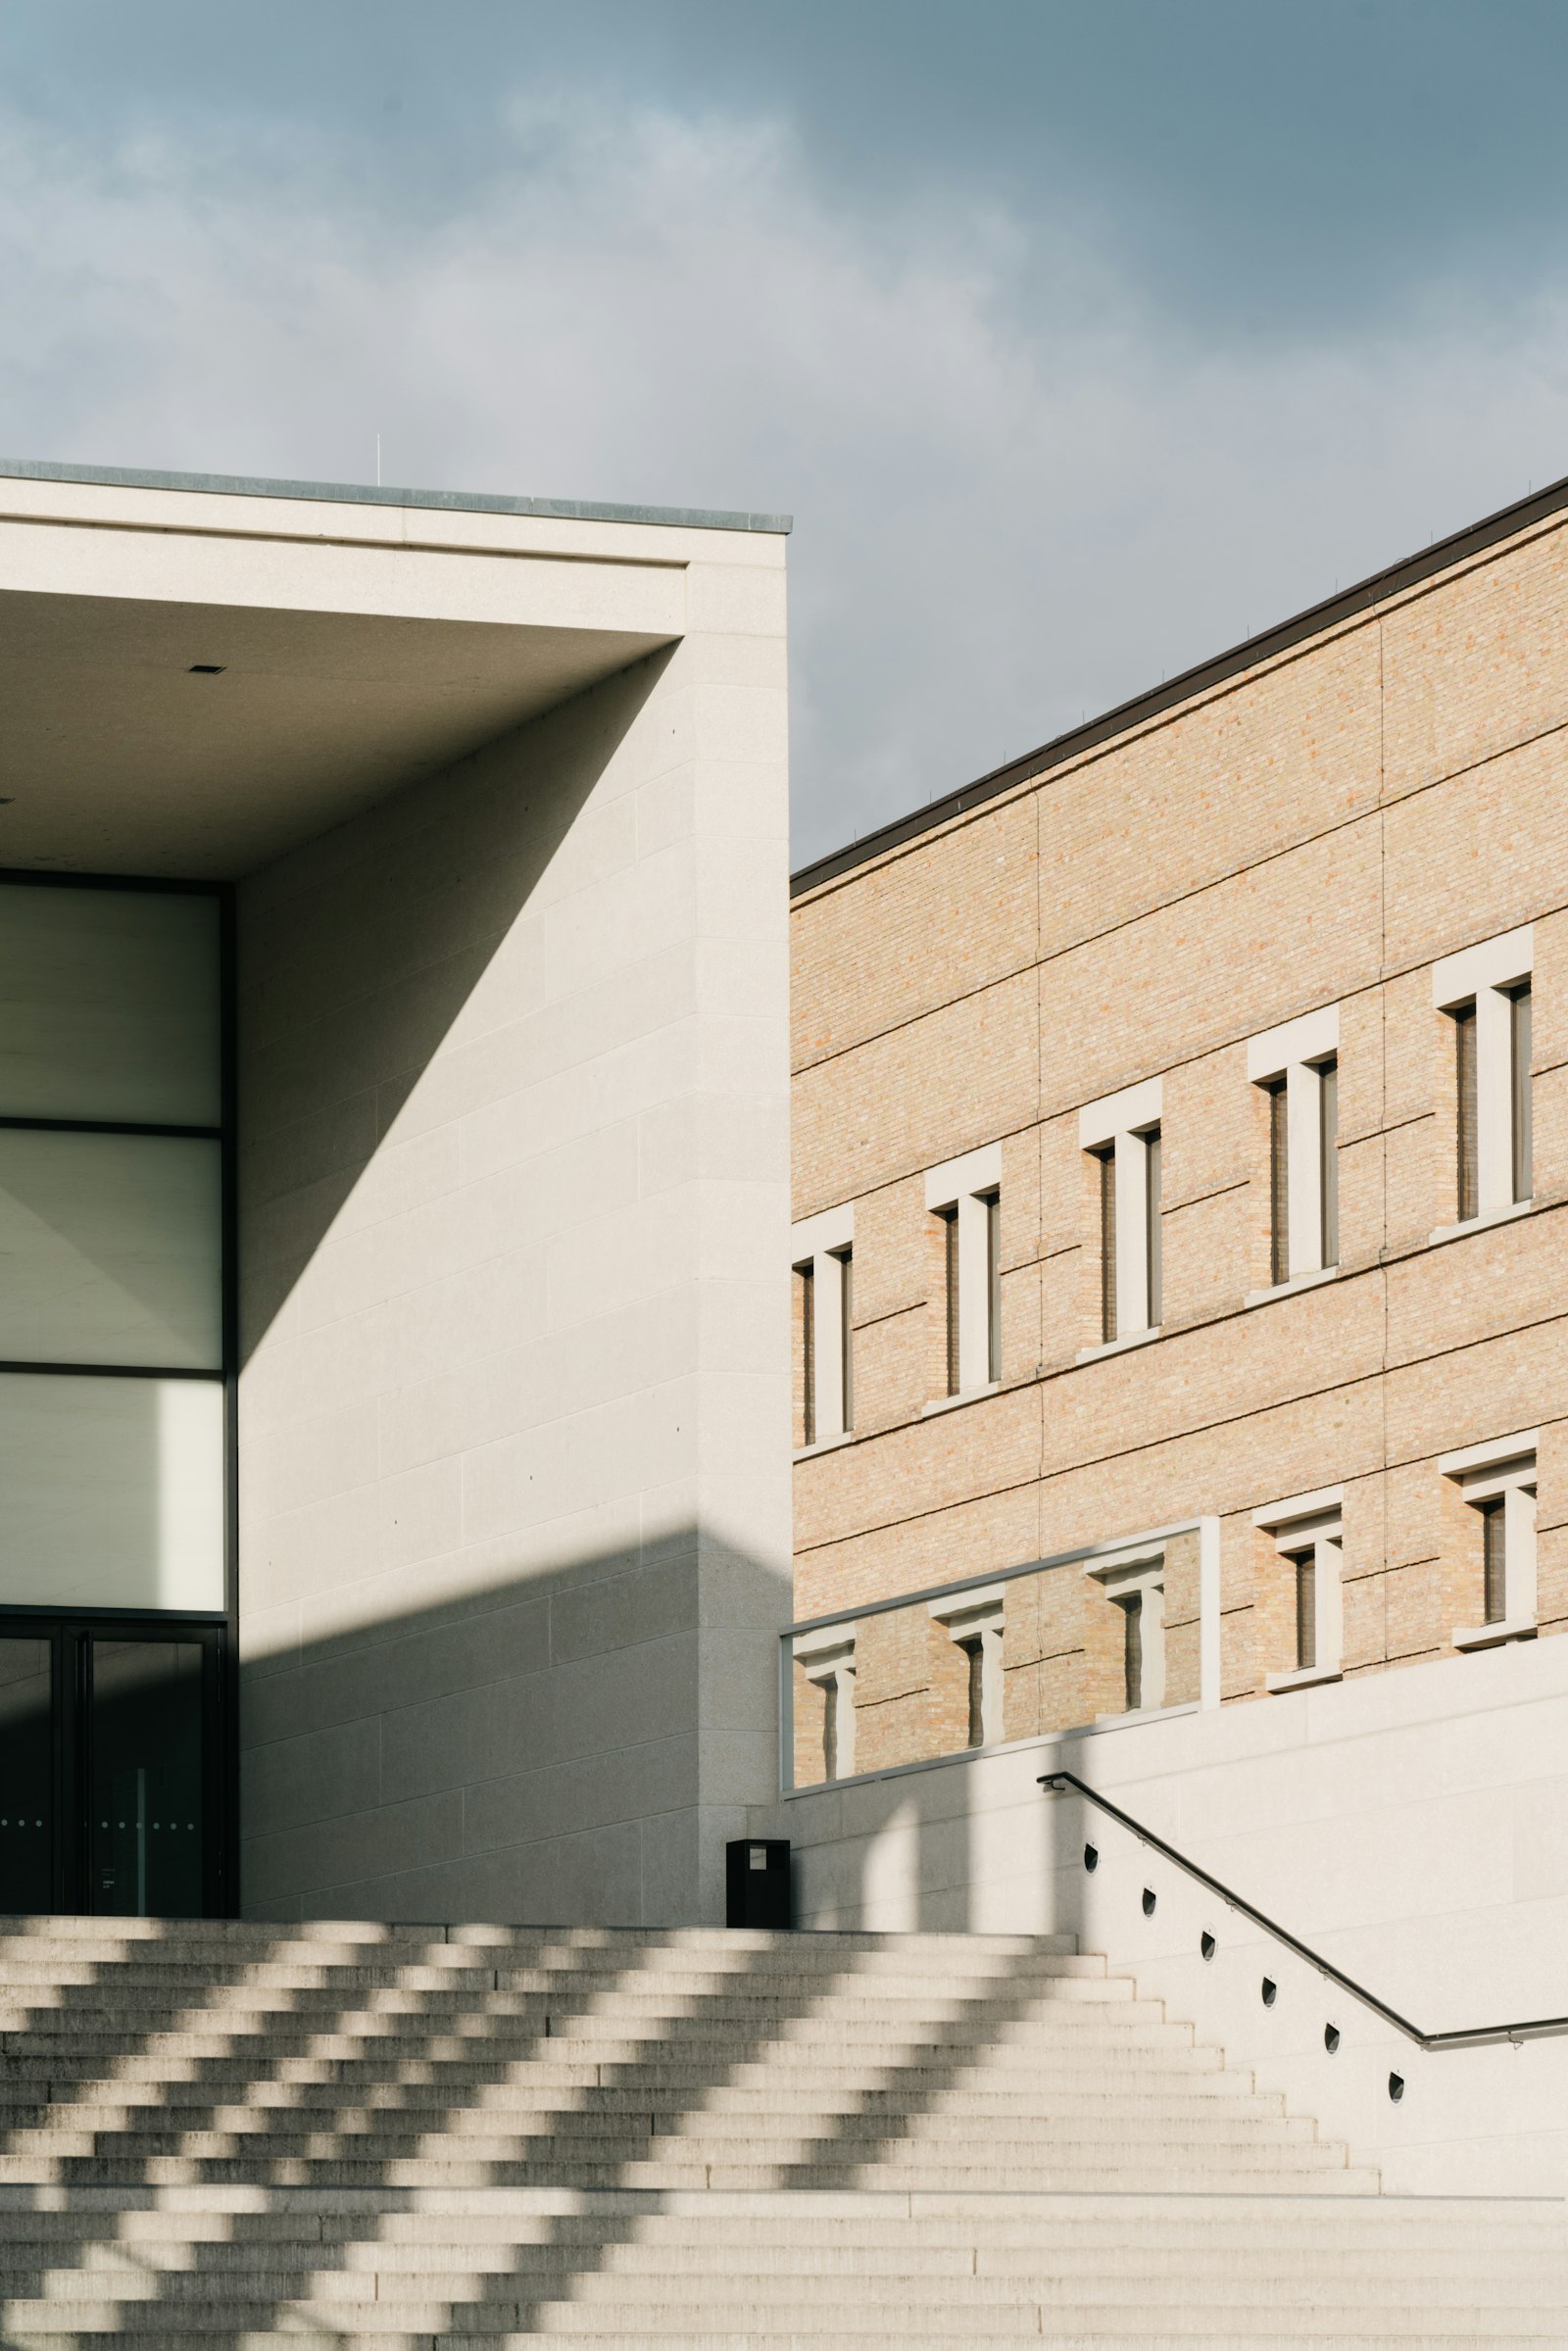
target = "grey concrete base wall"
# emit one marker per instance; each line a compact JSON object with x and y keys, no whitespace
{"x":1408,"y":1827}
{"x":513,"y":1434}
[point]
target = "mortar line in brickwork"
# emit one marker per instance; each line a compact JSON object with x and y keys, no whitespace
{"x":1378,"y":813}
{"x":1204,"y":1428}
{"x":1231,"y":671}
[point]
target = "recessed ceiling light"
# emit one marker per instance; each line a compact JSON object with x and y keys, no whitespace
{"x":207,"y":669}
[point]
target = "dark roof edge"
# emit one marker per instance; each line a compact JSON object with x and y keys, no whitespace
{"x":1408,"y":573}
{"x":465,"y":501}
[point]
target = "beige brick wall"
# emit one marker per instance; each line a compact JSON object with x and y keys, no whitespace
{"x":1316,"y":831}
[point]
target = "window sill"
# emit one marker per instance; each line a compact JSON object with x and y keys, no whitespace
{"x":965,"y":1396}
{"x":1117,"y":1346}
{"x":1492,"y":1636}
{"x":1479,"y":1224}
{"x":1137,"y":1714}
{"x":823,"y":1445}
{"x":1298,"y":1281}
{"x":1306,"y":1677}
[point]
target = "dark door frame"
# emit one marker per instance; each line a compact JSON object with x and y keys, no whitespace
{"x":71,"y":1633}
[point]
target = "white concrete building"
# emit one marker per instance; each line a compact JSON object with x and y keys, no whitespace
{"x":393,"y":1198}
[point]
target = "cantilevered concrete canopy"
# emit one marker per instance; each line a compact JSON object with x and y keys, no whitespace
{"x":502,"y":790}
{"x":358,"y":647}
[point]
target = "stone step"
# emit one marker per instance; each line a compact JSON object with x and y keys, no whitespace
{"x":100,"y":2105}
{"x":588,"y":2137}
{"x":1171,"y":2170}
{"x":776,"y":2321}
{"x":463,"y":1972}
{"x":1368,"y":2285}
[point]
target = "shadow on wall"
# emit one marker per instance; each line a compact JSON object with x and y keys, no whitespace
{"x":496,"y":1656}
{"x":357,"y":954}
{"x":967,"y":1845}
{"x":568,"y":1746}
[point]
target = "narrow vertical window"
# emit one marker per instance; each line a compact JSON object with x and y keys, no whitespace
{"x":950,"y":1219}
{"x":974,"y":1655}
{"x":1494,"y":1558}
{"x":847,"y":1333}
{"x":1306,"y":1566}
{"x":1523,"y":1121}
{"x":830,"y":1728}
{"x":1108,"y":1245}
{"x":1279,"y":1182}
{"x":1155,"y":1224}
{"x":1328,"y":1137}
{"x":1132,"y":1609}
{"x":993,"y":1286}
{"x":1464,"y":1064}
{"x":808,"y":1274}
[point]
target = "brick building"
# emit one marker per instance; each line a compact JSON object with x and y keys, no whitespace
{"x":1180,"y":1165}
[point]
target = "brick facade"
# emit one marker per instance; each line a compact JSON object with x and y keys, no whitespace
{"x":1316,"y":830}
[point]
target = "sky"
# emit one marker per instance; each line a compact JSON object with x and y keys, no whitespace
{"x":1081,"y":341}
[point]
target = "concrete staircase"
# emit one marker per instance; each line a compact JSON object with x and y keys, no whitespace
{"x":390,"y":2137}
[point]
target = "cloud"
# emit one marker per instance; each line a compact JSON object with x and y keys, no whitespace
{"x":1023,"y":487}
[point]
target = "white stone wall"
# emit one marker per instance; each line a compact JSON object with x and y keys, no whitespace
{"x":514,"y":1406}
{"x":1413,"y":1828}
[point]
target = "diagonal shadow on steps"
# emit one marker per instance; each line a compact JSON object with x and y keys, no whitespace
{"x":125,"y":2154}
{"x":583,"y":2246}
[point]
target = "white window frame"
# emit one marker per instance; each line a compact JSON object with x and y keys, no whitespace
{"x":1505,"y":1467}
{"x":1123,"y":1124}
{"x":822,"y":1243}
{"x":827,"y":1659}
{"x":1121,"y":1579}
{"x":1294,"y":1053}
{"x":978,"y":1615}
{"x":1313,"y":1522}
{"x":1488,"y":975}
{"x":964,"y":1188}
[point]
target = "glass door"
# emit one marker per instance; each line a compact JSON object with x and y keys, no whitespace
{"x":113,"y":1794}
{"x":146,"y":1829}
{"x":27,"y":1805}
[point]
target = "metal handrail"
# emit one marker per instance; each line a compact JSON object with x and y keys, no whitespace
{"x":1529,"y":2028}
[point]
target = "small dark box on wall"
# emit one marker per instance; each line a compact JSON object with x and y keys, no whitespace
{"x":756,"y":1883}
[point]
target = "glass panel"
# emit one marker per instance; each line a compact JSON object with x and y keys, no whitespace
{"x":110,"y":1250}
{"x":917,"y":1693}
{"x":147,"y":1779}
{"x":1465,"y":1071}
{"x":1523,"y":1122}
{"x":1156,"y":1271}
{"x":1279,"y":1180}
{"x":808,"y":1274}
{"x":114,"y":1491}
{"x":847,"y":1335}
{"x":1107,"y":1246}
{"x":1328,"y":1149}
{"x":27,"y":1778}
{"x":1494,"y":1560}
{"x":109,"y":1005}
{"x":949,"y":1251}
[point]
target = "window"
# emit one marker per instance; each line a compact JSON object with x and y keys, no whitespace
{"x":113,"y":1406}
{"x":1122,"y":1134}
{"x":1497,"y":1485}
{"x":1136,"y":1591}
{"x":1306,"y":1536}
{"x":1485,"y":991}
{"x":973,"y":1622}
{"x":827,"y":1660}
{"x":993,"y":1205}
{"x":1296,"y":1067}
{"x":951,"y":1296}
{"x":965,"y":1198}
{"x":823,"y":1256}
